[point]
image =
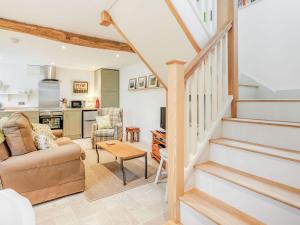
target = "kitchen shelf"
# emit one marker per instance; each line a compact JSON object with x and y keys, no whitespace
{"x":9,"y":94}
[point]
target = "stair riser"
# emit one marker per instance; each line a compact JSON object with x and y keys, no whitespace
{"x":280,"y":111}
{"x":277,"y":136}
{"x":247,"y":92}
{"x":188,"y":216}
{"x":279,"y":170}
{"x":263,"y":208}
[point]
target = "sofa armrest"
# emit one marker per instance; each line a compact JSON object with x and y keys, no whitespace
{"x":41,"y":158}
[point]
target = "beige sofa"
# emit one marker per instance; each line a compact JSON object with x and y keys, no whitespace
{"x":44,"y":174}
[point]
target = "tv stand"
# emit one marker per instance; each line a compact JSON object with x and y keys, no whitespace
{"x":158,"y":142}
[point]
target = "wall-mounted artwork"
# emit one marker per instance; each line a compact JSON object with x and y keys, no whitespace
{"x":152,"y":81}
{"x":132,"y":84}
{"x":80,"y":87}
{"x":141,"y":82}
{"x":245,"y":3}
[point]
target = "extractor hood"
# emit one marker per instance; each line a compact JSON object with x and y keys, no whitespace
{"x":49,"y":72}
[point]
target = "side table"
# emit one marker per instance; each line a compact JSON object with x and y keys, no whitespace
{"x":134,"y":134}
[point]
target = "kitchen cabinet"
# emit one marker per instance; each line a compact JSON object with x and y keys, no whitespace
{"x":107,"y":87}
{"x":32,"y":115}
{"x":72,"y":124}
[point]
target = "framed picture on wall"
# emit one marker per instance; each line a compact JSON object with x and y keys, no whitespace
{"x":152,"y":81}
{"x":141,"y":82}
{"x":80,"y":87}
{"x":132,"y":84}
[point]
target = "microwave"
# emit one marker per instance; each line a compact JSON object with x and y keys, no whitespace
{"x":76,"y":104}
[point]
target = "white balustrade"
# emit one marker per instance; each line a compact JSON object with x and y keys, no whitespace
{"x":206,"y":91}
{"x":207,"y":13}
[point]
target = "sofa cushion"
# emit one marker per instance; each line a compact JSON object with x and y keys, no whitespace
{"x":43,"y":136}
{"x":105,"y":133}
{"x":4,"y":152}
{"x":18,"y":134}
{"x":2,"y":122}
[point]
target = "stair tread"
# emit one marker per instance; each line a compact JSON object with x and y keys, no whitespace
{"x":249,"y":85}
{"x":279,"y":192}
{"x":216,"y":210}
{"x":287,"y":154}
{"x":265,"y":122}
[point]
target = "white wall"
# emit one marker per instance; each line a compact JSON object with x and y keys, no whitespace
{"x":269,"y":44}
{"x":20,"y":79}
{"x":141,"y":108}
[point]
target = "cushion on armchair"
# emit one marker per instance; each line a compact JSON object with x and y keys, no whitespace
{"x":103,"y":122}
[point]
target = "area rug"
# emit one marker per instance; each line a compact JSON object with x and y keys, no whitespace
{"x":105,"y":179}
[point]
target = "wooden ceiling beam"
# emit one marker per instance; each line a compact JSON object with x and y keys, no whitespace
{"x":63,"y":36}
{"x":105,"y":19}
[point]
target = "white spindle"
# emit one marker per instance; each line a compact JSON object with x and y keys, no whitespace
{"x":194,"y":112}
{"x":214,"y":82}
{"x":220,"y":75}
{"x":208,"y":92}
{"x":225,"y":66}
{"x":201,"y":111}
{"x":205,"y":93}
{"x":207,"y":12}
{"x":187,"y":122}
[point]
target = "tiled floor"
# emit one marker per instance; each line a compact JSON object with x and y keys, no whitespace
{"x":144,"y":205}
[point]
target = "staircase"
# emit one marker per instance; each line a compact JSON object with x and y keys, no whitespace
{"x":252,"y":176}
{"x":230,"y":161}
{"x":241,"y":170}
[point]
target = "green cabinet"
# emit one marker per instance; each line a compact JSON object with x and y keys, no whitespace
{"x":72,"y":124}
{"x":107,"y":87}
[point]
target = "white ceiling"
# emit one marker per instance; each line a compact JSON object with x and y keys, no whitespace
{"x":38,"y":51}
{"x":78,"y":16}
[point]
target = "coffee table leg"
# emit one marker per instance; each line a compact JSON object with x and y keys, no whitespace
{"x":123,"y":171}
{"x":97,"y":153}
{"x":146,"y":167}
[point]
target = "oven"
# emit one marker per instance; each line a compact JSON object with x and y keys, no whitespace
{"x":53,"y":118}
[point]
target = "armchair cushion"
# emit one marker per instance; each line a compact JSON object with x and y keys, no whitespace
{"x":103,"y":122}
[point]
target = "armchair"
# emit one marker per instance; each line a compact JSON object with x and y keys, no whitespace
{"x":115,"y":133}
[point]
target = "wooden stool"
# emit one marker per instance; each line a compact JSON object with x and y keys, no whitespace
{"x":134,"y":134}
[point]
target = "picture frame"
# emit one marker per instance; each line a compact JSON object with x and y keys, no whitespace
{"x":132,"y":84}
{"x":80,"y":87}
{"x":141,"y":84}
{"x":152,"y":81}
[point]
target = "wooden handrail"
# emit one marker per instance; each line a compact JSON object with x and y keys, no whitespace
{"x":211,"y":44}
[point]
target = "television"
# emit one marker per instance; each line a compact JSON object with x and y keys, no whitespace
{"x":163,"y":118}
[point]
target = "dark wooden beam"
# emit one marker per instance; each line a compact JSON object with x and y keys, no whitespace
{"x":63,"y":36}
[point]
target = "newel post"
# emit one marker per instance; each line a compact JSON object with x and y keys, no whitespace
{"x":175,"y":137}
{"x":228,"y":10}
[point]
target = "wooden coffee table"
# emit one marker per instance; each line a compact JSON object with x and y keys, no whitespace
{"x":124,"y":152}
